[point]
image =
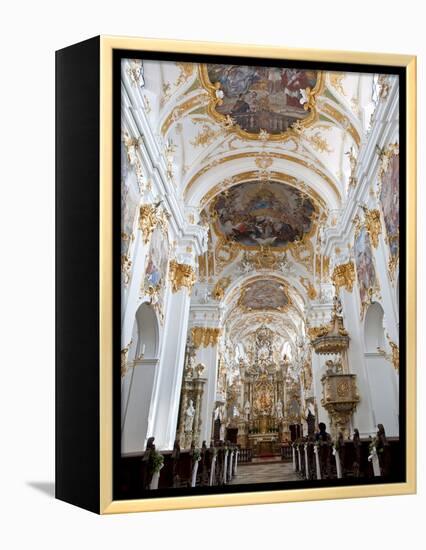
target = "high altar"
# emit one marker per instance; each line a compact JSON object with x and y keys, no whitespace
{"x":263,"y":395}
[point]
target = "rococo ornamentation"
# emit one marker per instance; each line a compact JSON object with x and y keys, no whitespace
{"x":181,"y":276}
{"x":151,"y":215}
{"x":344,"y":276}
{"x":373,"y":225}
{"x":205,"y":336}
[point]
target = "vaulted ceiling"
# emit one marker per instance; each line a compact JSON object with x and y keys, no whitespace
{"x":264,"y":157}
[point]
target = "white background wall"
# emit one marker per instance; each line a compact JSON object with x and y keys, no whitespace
{"x":30,"y":32}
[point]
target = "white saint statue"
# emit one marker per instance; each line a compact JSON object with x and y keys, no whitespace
{"x":247,"y":408}
{"x":189,"y":416}
{"x":279,"y":410}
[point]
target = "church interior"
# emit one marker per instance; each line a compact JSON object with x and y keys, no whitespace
{"x":260,"y":275}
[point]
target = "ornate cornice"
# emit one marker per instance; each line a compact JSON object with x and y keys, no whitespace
{"x":181,"y":276}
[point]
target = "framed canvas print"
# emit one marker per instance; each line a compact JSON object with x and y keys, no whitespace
{"x":235,"y":274}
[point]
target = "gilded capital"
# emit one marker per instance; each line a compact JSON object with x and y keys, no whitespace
{"x":181,"y":275}
{"x":205,"y":336}
{"x":344,"y":276}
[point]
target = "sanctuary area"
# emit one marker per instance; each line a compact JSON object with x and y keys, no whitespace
{"x":260,"y":276}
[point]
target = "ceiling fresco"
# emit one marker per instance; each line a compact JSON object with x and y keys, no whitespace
{"x":264,"y":295}
{"x":269,"y":99}
{"x":268,"y":214}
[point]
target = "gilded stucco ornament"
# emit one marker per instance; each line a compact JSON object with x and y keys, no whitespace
{"x":344,"y":276}
{"x":135,"y":72}
{"x":332,"y":338}
{"x":126,"y":266}
{"x":181,"y":276}
{"x":392,"y":357}
{"x":220,"y":287}
{"x":151,"y":216}
{"x":124,"y":355}
{"x":205,"y":336}
{"x":373,"y":225}
{"x":385,"y":156}
{"x":309,"y":287}
{"x":336,"y":81}
{"x":132,"y":144}
{"x":353,"y":164}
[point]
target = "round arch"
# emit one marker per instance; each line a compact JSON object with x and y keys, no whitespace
{"x":383,"y":386}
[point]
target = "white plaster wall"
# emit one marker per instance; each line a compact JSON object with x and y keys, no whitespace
{"x":134,"y":434}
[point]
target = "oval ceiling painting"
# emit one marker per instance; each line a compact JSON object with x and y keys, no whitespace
{"x":271,"y":214}
{"x":268,"y":99}
{"x":264,"y":295}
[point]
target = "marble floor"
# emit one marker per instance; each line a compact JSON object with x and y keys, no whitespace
{"x":264,"y":473}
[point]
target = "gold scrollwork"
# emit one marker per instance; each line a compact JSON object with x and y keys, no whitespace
{"x":392,"y":357}
{"x":220,"y":287}
{"x":344,"y":276}
{"x":205,"y":336}
{"x":151,"y":216}
{"x":373,"y":225}
{"x":181,"y":276}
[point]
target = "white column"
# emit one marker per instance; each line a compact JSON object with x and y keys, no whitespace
{"x":306,"y":461}
{"x":225,"y":466}
{"x":338,"y":465}
{"x":155,"y":480}
{"x":163,"y":416}
{"x":363,"y":416}
{"x":317,"y":463}
{"x":237,"y":452}
{"x":212,"y":471}
{"x":209,"y":357}
{"x":374,"y":459}
{"x":194,"y":473}
{"x":230,"y":466}
{"x":300,"y":462}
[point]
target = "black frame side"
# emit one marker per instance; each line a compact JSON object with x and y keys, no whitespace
{"x":77,"y":274}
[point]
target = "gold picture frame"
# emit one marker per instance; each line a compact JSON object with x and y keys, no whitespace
{"x":107,"y":46}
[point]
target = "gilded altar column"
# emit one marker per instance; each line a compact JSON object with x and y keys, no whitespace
{"x":163,"y":415}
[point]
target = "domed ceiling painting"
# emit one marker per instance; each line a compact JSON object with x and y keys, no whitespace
{"x":264,"y":295}
{"x":261,"y":98}
{"x":271,"y":214}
